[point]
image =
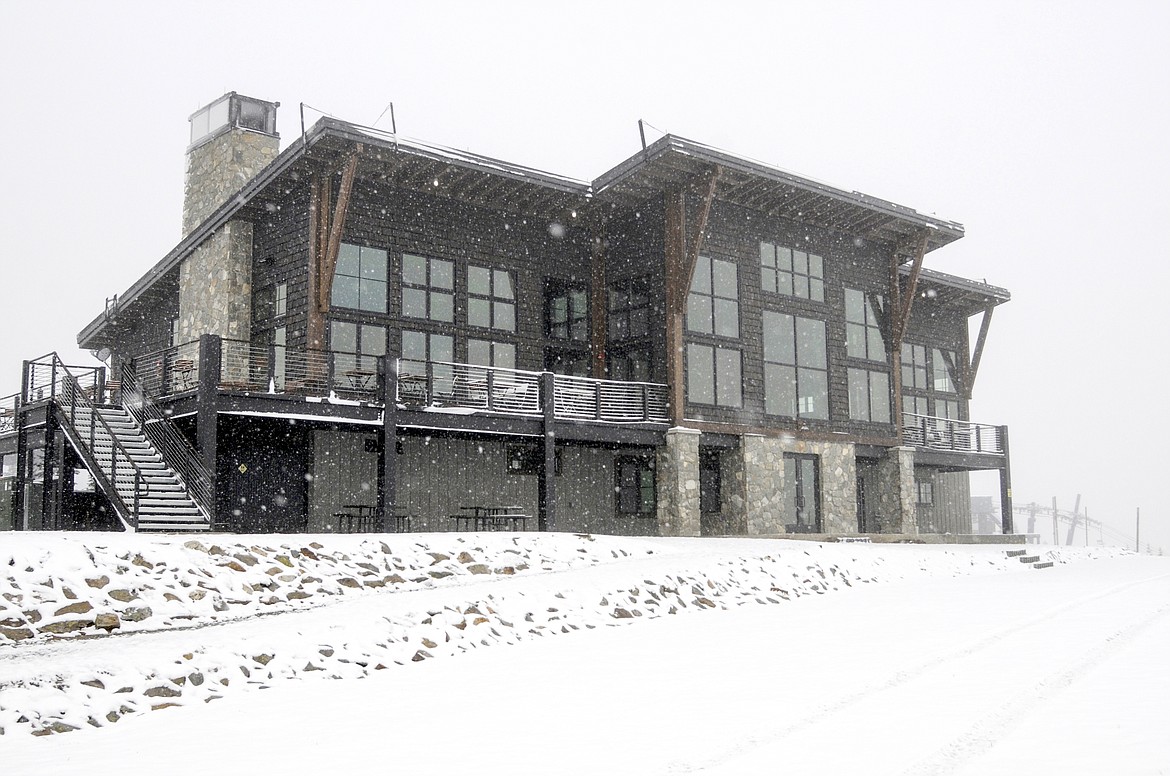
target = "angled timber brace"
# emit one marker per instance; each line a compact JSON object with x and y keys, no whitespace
{"x":683,"y":246}
{"x":326,"y":224}
{"x":971,"y":368}
{"x":899,"y":315}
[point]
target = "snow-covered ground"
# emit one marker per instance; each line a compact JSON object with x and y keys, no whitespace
{"x":529,"y":653}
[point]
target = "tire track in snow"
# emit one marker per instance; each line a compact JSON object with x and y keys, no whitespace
{"x":904,"y":676}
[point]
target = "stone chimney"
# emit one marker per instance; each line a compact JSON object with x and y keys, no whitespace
{"x":232,"y":139}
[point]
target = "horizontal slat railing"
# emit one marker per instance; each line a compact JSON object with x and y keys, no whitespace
{"x":960,"y":436}
{"x":443,"y":384}
{"x":612,"y":401}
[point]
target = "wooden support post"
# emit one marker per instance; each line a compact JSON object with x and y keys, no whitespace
{"x":547,"y":520}
{"x":335,"y":228}
{"x":207,"y":415}
{"x":1005,"y":485}
{"x":675,"y":252}
{"x":973,"y":371}
{"x":901,"y":303}
{"x":599,"y":303}
{"x":318,"y":221}
{"x":388,"y":450}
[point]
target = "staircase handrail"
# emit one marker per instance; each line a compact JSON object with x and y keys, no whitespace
{"x":170,"y":443}
{"x":71,"y":398}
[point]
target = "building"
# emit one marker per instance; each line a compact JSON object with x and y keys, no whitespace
{"x":362,"y":332}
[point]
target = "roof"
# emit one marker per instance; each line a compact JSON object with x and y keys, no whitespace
{"x":970,"y":296}
{"x":482,"y":180}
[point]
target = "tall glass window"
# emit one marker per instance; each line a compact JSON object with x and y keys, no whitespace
{"x":869,"y":395}
{"x":802,"y":497}
{"x":714,"y":375}
{"x":863,"y":330}
{"x":791,"y":272}
{"x":488,"y":353}
{"x":356,"y":348}
{"x":359,"y":280}
{"x":629,"y":310}
{"x":713,"y":304}
{"x":914,"y":366}
{"x":491,"y":302}
{"x":634,"y":486}
{"x":796,"y":367}
{"x":428,"y":288}
{"x":942,"y":379}
{"x":567,"y":313}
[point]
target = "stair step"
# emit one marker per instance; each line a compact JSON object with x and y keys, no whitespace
{"x":1029,"y":558}
{"x":1016,"y":553}
{"x":1045,"y":565}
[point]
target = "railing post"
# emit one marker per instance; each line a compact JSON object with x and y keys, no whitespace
{"x":428,"y":399}
{"x":99,"y":392}
{"x":546,"y":521}
{"x":597,"y":398}
{"x":388,"y":451}
{"x":270,"y":368}
{"x":645,"y":403}
{"x":491,"y":388}
{"x":207,"y":414}
{"x":1005,"y":484}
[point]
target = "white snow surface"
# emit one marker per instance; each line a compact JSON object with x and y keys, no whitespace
{"x":557,"y":653}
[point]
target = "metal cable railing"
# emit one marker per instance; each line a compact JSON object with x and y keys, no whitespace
{"x":613,"y":401}
{"x":952,"y":435}
{"x":446,"y":384}
{"x":48,"y":378}
{"x":9,"y":406}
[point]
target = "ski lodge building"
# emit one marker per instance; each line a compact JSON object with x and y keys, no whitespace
{"x":366,"y":333}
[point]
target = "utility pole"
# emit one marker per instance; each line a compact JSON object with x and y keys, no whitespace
{"x":1137,"y":542}
{"x":1072,"y":528}
{"x":1086,"y":527}
{"x":1055,"y":529}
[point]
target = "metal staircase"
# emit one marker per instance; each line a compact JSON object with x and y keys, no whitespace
{"x":141,"y":462}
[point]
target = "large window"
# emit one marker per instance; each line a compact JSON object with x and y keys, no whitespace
{"x":634,"y":486}
{"x":491,"y":301}
{"x":629,"y":310}
{"x":487,"y":353}
{"x":942,"y":378}
{"x":792,"y":272}
{"x":419,"y":348}
{"x":631,"y":364}
{"x":359,"y":280}
{"x":428,"y":288}
{"x":863,"y":331}
{"x":796,"y":367}
{"x":869,"y":395}
{"x":913,"y":366}
{"x":714,"y":375}
{"x":356,"y":348}
{"x":567,"y":313}
{"x":713,"y":304}
{"x":802,"y":486}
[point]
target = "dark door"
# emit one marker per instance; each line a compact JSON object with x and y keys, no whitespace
{"x":867,"y":503}
{"x":267,"y":491}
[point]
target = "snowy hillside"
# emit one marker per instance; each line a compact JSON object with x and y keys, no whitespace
{"x":96,"y":629}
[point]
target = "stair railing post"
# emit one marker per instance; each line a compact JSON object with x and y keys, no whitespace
{"x":207,"y":414}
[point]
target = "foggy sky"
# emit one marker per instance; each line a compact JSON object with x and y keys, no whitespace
{"x":1042,"y":127}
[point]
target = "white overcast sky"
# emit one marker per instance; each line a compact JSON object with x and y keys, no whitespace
{"x":1042,"y":127}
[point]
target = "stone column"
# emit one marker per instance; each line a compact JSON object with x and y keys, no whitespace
{"x":678,"y":483}
{"x":763,"y":465}
{"x":896,"y":496}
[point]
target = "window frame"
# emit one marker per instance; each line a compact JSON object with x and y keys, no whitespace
{"x":708,"y":290}
{"x":646,"y":484}
{"x":497,"y":301}
{"x":693,"y":358}
{"x":855,"y":413}
{"x":773,"y":361}
{"x":360,"y":280}
{"x":428,"y":288}
{"x":772,"y":265}
{"x":794,"y":481}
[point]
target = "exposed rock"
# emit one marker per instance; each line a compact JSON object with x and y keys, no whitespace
{"x":233,"y":565}
{"x":440,"y":574}
{"x":421,"y":655}
{"x":429,"y":644}
{"x":262,"y":659}
{"x":215,"y":549}
{"x":622,"y":614}
{"x":479,"y":568}
{"x":98,"y":582}
{"x":285,"y":560}
{"x":438,"y":557}
{"x":297,"y":594}
{"x":16,"y":634}
{"x":81,"y":607}
{"x":349,"y":582}
{"x":508,"y":570}
{"x":195,"y":678}
{"x":195,"y":545}
{"x":171,"y":597}
{"x":309,"y":553}
{"x":12,"y":622}
{"x":32,"y":615}
{"x":465,"y":557}
{"x":395,"y":579}
{"x":68,"y":593}
{"x":245,"y":558}
{"x":142,"y":562}
{"x":123,"y":595}
{"x":107,"y":621}
{"x":136,"y":613}
{"x":65,"y":626}
{"x":374,"y":583}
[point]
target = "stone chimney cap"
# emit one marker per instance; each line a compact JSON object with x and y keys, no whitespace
{"x":232,"y":111}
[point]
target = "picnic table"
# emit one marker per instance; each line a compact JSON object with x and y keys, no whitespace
{"x":490,"y":518}
{"x":363,"y":518}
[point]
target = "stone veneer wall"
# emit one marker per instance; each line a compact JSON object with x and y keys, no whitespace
{"x":220,"y":167}
{"x":766,"y":509}
{"x":896,"y":497}
{"x":678,"y":483}
{"x":215,"y":286}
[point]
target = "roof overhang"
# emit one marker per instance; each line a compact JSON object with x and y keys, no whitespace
{"x":674,"y":161}
{"x":967,"y":296}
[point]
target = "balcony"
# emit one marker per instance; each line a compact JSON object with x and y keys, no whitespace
{"x":952,"y":436}
{"x":421,"y":385}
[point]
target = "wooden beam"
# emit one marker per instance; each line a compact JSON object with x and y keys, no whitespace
{"x":318,"y":216}
{"x":336,"y":227}
{"x":695,"y":244}
{"x":675,"y":255}
{"x":911,"y":290}
{"x":598,"y":300}
{"x":977,"y":356}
